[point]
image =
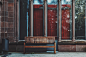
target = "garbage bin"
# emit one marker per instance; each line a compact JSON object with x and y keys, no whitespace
{"x":5,"y":45}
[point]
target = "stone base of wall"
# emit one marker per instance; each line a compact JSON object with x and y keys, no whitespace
{"x":62,"y":47}
{"x":66,"y":48}
{"x":72,"y":46}
{"x":20,"y":48}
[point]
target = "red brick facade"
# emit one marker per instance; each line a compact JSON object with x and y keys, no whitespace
{"x":7,"y":20}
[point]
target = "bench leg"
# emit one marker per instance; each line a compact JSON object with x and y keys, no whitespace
{"x":55,"y":48}
{"x":24,"y":48}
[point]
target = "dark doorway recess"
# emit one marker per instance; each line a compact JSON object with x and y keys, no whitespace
{"x":23,"y":18}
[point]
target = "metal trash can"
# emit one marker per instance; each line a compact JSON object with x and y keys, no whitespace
{"x":5,"y":45}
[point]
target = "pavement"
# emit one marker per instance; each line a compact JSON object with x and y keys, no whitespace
{"x":46,"y":54}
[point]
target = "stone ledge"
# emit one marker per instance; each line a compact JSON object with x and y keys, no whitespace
{"x":72,"y":43}
{"x":59,"y":43}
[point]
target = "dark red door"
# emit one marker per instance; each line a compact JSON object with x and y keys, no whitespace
{"x":65,"y":22}
{"x":52,"y":20}
{"x":38,"y":20}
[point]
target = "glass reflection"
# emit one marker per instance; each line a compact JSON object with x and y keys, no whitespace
{"x":37,"y":1}
{"x":66,"y":1}
{"x":52,"y":1}
{"x":80,"y":19}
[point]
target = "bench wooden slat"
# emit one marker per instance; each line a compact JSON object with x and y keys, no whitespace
{"x":40,"y":39}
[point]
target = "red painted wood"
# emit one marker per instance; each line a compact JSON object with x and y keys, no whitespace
{"x":37,"y":6}
{"x":52,"y":21}
{"x":65,"y":24}
{"x":66,"y":5}
{"x":38,"y":21}
{"x":52,"y":6}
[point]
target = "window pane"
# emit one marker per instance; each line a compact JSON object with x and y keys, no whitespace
{"x":66,"y":11}
{"x":37,"y":1}
{"x":80,"y":19}
{"x":52,"y":1}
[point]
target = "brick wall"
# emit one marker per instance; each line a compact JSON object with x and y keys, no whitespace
{"x":8,"y":20}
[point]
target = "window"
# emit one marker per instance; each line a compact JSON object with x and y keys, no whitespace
{"x":37,"y":1}
{"x":52,"y":18}
{"x":24,"y":8}
{"x":80,"y":19}
{"x":66,"y":13}
{"x":38,"y":17}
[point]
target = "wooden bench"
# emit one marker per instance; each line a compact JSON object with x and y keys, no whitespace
{"x":40,"y":40}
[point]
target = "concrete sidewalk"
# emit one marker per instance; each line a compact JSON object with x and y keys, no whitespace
{"x":58,"y":54}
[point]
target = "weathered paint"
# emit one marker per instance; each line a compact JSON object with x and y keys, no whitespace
{"x":65,"y":24}
{"x":65,"y":21}
{"x":52,"y":20}
{"x":38,"y":20}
